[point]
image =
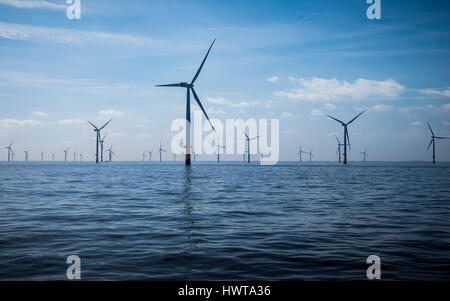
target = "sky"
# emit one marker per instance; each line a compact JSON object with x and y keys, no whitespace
{"x":295,"y":61}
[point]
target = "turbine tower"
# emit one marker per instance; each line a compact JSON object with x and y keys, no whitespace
{"x":65,"y":153}
{"x":110,"y":153}
{"x":101,"y":146}
{"x":247,"y":138}
{"x":346,"y":137}
{"x":42,"y":157}
{"x":310,"y":154}
{"x":81,"y":157}
{"x":10,"y":151}
{"x":163,"y":150}
{"x":53,"y":156}
{"x":97,"y":130}
{"x":74,"y":156}
{"x":27,"y":155}
{"x":300,"y":152}
{"x":218,"y":151}
{"x":150,"y":155}
{"x":433,"y":138}
{"x":143,"y":156}
{"x":339,"y":148}
{"x":190,"y":87}
{"x":364,"y":153}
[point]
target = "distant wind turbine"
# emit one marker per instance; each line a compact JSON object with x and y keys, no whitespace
{"x":101,"y":146}
{"x":150,"y":155}
{"x":42,"y":157}
{"x":247,"y":138}
{"x":27,"y":155}
{"x":143,"y":156}
{"x":53,"y":156}
{"x":97,"y":131}
{"x":310,"y":154}
{"x":81,"y":157}
{"x":65,"y":153}
{"x":110,"y":153}
{"x":10,"y":151}
{"x":346,"y":136}
{"x":364,"y":153}
{"x":163,"y":150}
{"x":219,"y":147}
{"x":433,"y":138}
{"x":190,"y":87}
{"x":300,"y":152}
{"x":74,"y":156}
{"x":339,"y":148}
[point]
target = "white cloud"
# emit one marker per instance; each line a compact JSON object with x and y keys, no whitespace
{"x":34,"y":4}
{"x":329,"y":106}
{"x":273,"y":79}
{"x":287,"y":114}
{"x":320,"y":89}
{"x":382,"y":107}
{"x":446,"y":107}
{"x":212,"y":111}
{"x":224,"y":101}
{"x":110,"y":113}
{"x":436,"y":92}
{"x":7,"y":123}
{"x":317,"y":113}
{"x":40,"y":114}
{"x":416,"y":123}
{"x":71,"y":121}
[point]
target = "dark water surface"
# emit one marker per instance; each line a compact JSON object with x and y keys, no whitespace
{"x":136,"y":221}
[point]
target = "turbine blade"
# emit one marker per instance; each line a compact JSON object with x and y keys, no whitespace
{"x":339,"y":142}
{"x":432,"y":133}
{"x":246,"y":135}
{"x":442,"y":137}
{"x":93,"y":125}
{"x":429,"y":145}
{"x":356,"y":117}
{"x":105,"y":125}
{"x":348,"y":140}
{"x":335,"y":119}
{"x":203,"y":62}
{"x":170,"y":85}
{"x":201,"y":107}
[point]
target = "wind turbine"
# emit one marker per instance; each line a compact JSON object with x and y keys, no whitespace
{"x":74,"y":156}
{"x":248,"y":144}
{"x":195,"y":156}
{"x":310,"y":154}
{"x":300,"y":152}
{"x":339,"y":148}
{"x":53,"y":156}
{"x":81,"y":157}
{"x":42,"y":157}
{"x":150,"y":155}
{"x":163,"y":150}
{"x":218,"y":151}
{"x":101,"y":146}
{"x":433,"y":137}
{"x":143,"y":156}
{"x":190,"y":87}
{"x":97,"y":130}
{"x":9,"y":148}
{"x":65,"y":153}
{"x":111,"y":153}
{"x":346,"y":137}
{"x":364,"y":153}
{"x":27,"y":155}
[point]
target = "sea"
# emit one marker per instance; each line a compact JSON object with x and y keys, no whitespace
{"x":224,"y":221}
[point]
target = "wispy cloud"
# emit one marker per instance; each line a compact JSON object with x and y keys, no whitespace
{"x":224,"y":101}
{"x":40,"y":114}
{"x":8,"y":123}
{"x":273,"y":79}
{"x":71,"y":121}
{"x":435,"y":92}
{"x":287,"y":115}
{"x":416,"y":123}
{"x":110,"y":113}
{"x":317,"y":113}
{"x":34,"y":4}
{"x":320,"y":89}
{"x":382,"y":108}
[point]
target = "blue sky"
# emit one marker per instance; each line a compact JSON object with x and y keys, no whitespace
{"x":292,"y":60}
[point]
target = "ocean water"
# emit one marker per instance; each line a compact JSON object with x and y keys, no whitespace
{"x":227,"y":221}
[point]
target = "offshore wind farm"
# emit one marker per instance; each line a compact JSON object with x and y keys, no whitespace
{"x":309,"y":148}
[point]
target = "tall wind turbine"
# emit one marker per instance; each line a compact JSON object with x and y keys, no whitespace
{"x":248,"y":139}
{"x":65,"y":153}
{"x":10,"y":151}
{"x":97,"y":131}
{"x":110,"y":153}
{"x":219,"y":147}
{"x":163,"y":150}
{"x":339,"y":148}
{"x":364,"y":153}
{"x":346,"y":137}
{"x":150,"y":155}
{"x":190,"y":87}
{"x":433,"y":138}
